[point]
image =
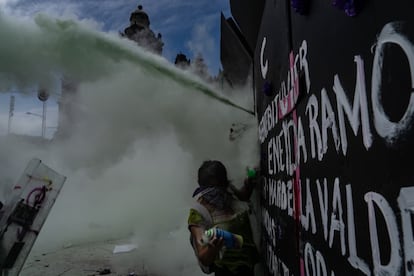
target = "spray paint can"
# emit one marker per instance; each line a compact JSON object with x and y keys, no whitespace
{"x":251,"y":172}
{"x":231,"y":241}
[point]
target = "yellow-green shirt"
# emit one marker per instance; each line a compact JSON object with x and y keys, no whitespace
{"x":238,"y":224}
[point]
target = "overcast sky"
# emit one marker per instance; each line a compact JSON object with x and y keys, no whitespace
{"x":190,"y":27}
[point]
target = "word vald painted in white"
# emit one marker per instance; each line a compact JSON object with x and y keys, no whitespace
{"x":331,"y":213}
{"x":357,"y":113}
{"x":328,"y":215}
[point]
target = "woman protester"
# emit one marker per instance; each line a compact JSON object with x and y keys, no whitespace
{"x":220,"y":204}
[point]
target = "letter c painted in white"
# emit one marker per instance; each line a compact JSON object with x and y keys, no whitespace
{"x":263,"y":67}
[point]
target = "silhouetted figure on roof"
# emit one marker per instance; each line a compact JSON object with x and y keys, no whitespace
{"x":140,"y":32}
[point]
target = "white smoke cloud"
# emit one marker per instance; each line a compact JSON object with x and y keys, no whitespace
{"x":142,"y":129}
{"x":203,"y":42}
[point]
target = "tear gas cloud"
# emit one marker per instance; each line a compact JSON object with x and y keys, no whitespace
{"x":139,"y":135}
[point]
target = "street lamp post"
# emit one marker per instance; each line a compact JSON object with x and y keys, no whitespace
{"x":11,"y":110}
{"x":43,"y":95}
{"x":44,"y":120}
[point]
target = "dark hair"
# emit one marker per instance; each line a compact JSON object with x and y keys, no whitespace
{"x":212,"y":173}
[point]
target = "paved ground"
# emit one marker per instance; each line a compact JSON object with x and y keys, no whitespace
{"x":99,"y":259}
{"x":85,"y":260}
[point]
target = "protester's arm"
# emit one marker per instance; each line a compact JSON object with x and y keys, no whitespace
{"x":209,"y":252}
{"x":245,"y":192}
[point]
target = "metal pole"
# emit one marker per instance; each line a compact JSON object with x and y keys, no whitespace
{"x":44,"y":120}
{"x":9,"y":125}
{"x":11,"y":109}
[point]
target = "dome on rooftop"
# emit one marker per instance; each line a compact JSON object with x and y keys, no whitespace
{"x":139,"y":17}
